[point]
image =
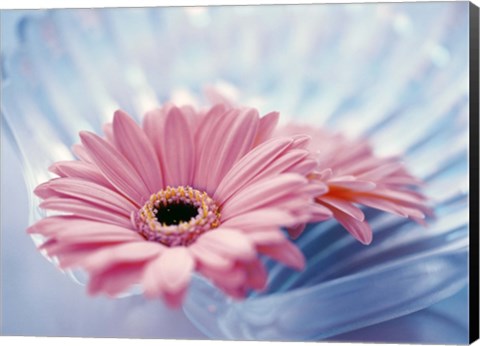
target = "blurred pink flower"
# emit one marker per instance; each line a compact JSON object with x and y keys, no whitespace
{"x":188,"y":192}
{"x":355,"y":177}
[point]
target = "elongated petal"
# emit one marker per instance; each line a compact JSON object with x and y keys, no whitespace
{"x":286,"y":253}
{"x":207,"y":258}
{"x":359,"y":229}
{"x":285,"y":163}
{"x":116,"y":279}
{"x":81,"y":153}
{"x":85,"y":210}
{"x":237,"y":139}
{"x":116,"y":168}
{"x":212,"y":147}
{"x":108,"y":131}
{"x":256,"y":275}
{"x":260,"y":218}
{"x":52,"y":225}
{"x":73,"y":255}
{"x":266,"y":237}
{"x":97,"y":237}
{"x":82,"y":170}
{"x":168,"y":276}
{"x":237,"y":276}
{"x":345,"y":206}
{"x":295,"y":231}
{"x":138,"y":251}
{"x":132,"y":142}
{"x":153,"y":125}
{"x":350,"y":182}
{"x":250,"y":166}
{"x":382,"y":171}
{"x":95,"y":193}
{"x":175,"y":267}
{"x":266,"y":127}
{"x":263,"y":194}
{"x":177,"y":149}
{"x":204,"y":129}
{"x":228,"y":242}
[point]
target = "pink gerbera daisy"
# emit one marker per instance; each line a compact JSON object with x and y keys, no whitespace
{"x":187,"y":192}
{"x":356,"y":177}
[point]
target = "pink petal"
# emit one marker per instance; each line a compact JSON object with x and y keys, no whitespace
{"x":345,"y":206}
{"x":315,"y":188}
{"x":266,"y":237}
{"x":85,"y":210}
{"x":177,"y":149}
{"x":192,"y":117}
{"x":295,"y":231}
{"x":54,"y":168}
{"x":319,"y":213}
{"x":174,"y":300}
{"x":350,"y":182}
{"x":324,"y":175}
{"x":108,"y":131}
{"x":209,"y":259}
{"x":44,"y":191}
{"x":284,"y":163}
{"x":381,"y":171}
{"x":116,"y":168}
{"x":266,"y":126}
{"x":402,"y":181}
{"x":84,"y":231}
{"x":257,"y":275}
{"x":132,"y":252}
{"x":116,"y":279}
{"x":132,"y":142}
{"x":169,"y":275}
{"x":70,"y":252}
{"x":72,"y":255}
{"x":250,"y":166}
{"x":304,"y":167}
{"x":82,"y":170}
{"x":390,"y":206}
{"x":359,"y":229}
{"x":205,"y":149}
{"x":153,"y":125}
{"x":215,"y":97}
{"x":81,"y":153}
{"x":228,"y":242}
{"x":204,"y":129}
{"x":236,"y":141}
{"x":403,"y":196}
{"x":175,"y":268}
{"x":51,"y":225}
{"x":97,"y":237}
{"x":238,"y":129}
{"x":264,"y":193}
{"x":260,"y":218}
{"x":301,"y":141}
{"x":286,"y":253}
{"x":231,"y":278}
{"x":94,"y":193}
{"x":238,"y":293}
{"x":363,"y":165}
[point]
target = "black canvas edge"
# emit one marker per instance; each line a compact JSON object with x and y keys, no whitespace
{"x":474,"y":175}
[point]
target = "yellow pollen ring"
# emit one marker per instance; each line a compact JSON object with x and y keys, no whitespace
{"x":184,"y":232}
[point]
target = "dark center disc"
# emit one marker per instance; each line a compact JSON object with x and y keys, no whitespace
{"x":175,"y":213}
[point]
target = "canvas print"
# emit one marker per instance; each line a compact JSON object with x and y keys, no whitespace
{"x":294,"y":172}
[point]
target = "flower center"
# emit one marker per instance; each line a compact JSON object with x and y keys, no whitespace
{"x":176,"y":216}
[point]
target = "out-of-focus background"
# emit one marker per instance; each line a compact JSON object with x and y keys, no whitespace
{"x":36,"y":299}
{"x":377,"y":61}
